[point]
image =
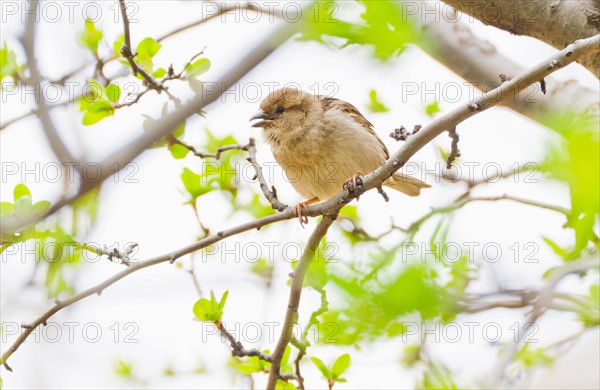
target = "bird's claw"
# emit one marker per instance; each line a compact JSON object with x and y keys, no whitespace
{"x":354,"y":184}
{"x":303,"y":218}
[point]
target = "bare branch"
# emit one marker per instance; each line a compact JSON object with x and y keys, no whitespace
{"x":452,"y":43}
{"x":291,"y":315}
{"x":168,"y":257}
{"x":542,"y":303}
{"x":544,"y":20}
{"x":60,"y":149}
{"x":165,"y":126}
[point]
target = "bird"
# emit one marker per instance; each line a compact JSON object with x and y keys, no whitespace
{"x":323,"y":143}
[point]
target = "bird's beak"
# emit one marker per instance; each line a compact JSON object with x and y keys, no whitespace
{"x":266,"y":119}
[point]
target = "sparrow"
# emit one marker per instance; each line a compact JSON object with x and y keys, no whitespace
{"x":322,"y":144}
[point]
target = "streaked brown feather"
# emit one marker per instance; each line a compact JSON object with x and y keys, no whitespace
{"x":330,"y":103}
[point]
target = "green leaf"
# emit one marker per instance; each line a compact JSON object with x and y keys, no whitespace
{"x":205,"y":310}
{"x":432,"y":108}
{"x":40,"y":207}
{"x":97,"y":111}
{"x":113,"y":92}
{"x":322,"y":367}
{"x":19,"y":191}
{"x":8,"y":64}
{"x":533,"y":357}
{"x":563,"y":253}
{"x":118,"y":44}
{"x":178,"y":151}
{"x":223,"y":300}
{"x":375,"y":105}
{"x":158,"y":73}
{"x":283,"y":385}
{"x":6,"y":208}
{"x":198,"y":67}
{"x":91,"y":36}
{"x":341,"y":364}
{"x":149,"y":47}
{"x":251,"y":365}
{"x":123,"y":369}
{"x":192,"y":184}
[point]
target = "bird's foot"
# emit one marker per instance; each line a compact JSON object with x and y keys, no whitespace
{"x":354,"y":185}
{"x":302,"y":207}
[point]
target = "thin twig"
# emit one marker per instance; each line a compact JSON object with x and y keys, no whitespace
{"x":237,"y":349}
{"x":270,"y":194}
{"x":126,"y":51}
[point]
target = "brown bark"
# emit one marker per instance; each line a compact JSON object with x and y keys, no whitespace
{"x":556,"y":22}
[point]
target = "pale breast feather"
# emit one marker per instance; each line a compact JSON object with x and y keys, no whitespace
{"x":330,"y":103}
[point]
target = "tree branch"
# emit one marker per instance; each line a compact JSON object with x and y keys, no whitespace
{"x":328,"y":208}
{"x":168,"y":257}
{"x":291,"y":315}
{"x":58,"y":146}
{"x":129,"y":55}
{"x":556,"y":23}
{"x":160,"y":129}
{"x":542,"y":303}
{"x":453,"y":44}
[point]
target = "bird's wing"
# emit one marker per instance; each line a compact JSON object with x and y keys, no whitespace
{"x":330,"y":103}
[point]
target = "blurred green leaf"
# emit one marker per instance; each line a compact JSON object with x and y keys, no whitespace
{"x":148,"y":46}
{"x":575,"y":160}
{"x":283,"y":385}
{"x":384,"y":26}
{"x":340,"y":365}
{"x":531,"y":357}
{"x":322,"y":367}
{"x":123,"y":369}
{"x":178,"y":151}
{"x":20,"y":191}
{"x":146,"y":50}
{"x":198,"y":67}
{"x":8,"y":64}
{"x":432,"y":108}
{"x":90,"y":36}
{"x":158,"y":73}
{"x":375,"y":105}
{"x":97,"y":111}
{"x":113,"y":92}
{"x":192,"y":183}
{"x":118,"y":44}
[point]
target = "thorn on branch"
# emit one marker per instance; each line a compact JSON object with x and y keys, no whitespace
{"x":543,"y":86}
{"x":383,"y":194}
{"x":553,"y":65}
{"x":454,"y":151}
{"x":8,"y":368}
{"x":474,"y":106}
{"x":503,"y":78}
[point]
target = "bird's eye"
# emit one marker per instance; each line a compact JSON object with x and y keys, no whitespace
{"x":280,"y":110}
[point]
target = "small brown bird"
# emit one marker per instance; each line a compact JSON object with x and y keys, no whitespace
{"x":322,"y":143}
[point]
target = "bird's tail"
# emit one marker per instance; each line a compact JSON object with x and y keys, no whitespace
{"x":406,"y":184}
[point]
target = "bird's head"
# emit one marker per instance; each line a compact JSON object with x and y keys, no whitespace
{"x":286,"y":110}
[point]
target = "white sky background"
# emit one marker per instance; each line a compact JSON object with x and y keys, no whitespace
{"x":151,"y":212}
